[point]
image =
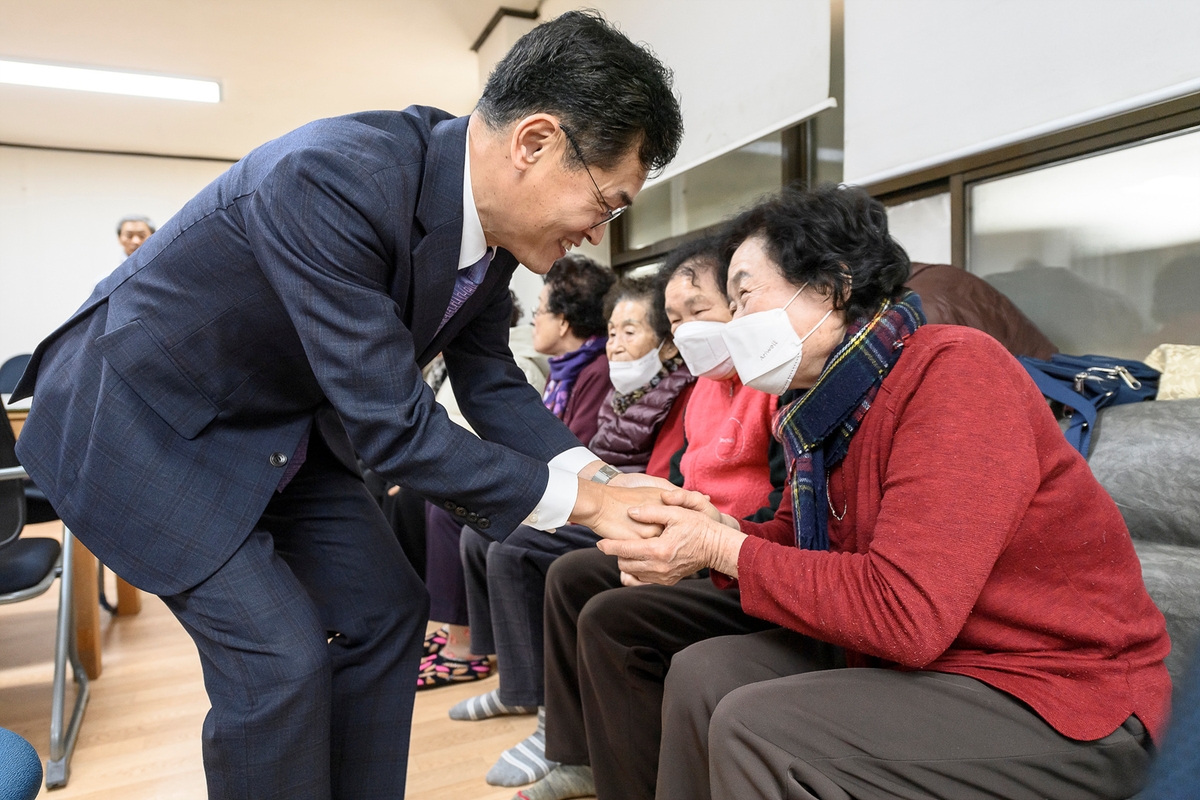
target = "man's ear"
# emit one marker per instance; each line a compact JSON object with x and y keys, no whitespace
{"x":533,"y":139}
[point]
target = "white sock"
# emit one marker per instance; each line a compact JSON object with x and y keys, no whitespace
{"x":562,"y":783}
{"x":486,"y":706}
{"x":524,"y":763}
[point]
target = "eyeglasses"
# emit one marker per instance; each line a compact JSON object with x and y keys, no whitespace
{"x":610,"y":213}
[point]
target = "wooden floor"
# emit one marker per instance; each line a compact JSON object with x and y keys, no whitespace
{"x":140,"y":738}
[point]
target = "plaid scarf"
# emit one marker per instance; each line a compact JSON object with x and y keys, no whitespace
{"x":816,"y":429}
{"x":622,"y":402}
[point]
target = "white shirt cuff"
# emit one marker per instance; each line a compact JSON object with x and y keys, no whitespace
{"x":562,"y":489}
{"x":574,"y":459}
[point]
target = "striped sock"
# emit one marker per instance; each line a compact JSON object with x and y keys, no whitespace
{"x":563,"y":782}
{"x":486,"y":706}
{"x":524,"y":763}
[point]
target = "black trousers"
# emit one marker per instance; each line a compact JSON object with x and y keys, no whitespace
{"x":768,"y":715}
{"x":506,"y":584}
{"x":444,"y":567}
{"x":309,"y":638}
{"x":608,"y":649}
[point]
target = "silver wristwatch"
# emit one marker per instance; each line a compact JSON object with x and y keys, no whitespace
{"x":606,"y":474}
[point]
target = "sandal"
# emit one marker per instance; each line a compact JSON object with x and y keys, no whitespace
{"x":438,"y":670}
{"x":435,"y":640}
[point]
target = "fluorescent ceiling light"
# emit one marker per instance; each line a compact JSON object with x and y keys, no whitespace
{"x":82,"y":79}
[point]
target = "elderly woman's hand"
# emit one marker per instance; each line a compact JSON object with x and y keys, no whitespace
{"x":699,"y":502}
{"x":690,"y":541}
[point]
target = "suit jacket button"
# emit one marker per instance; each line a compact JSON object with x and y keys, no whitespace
{"x":278,"y":459}
{"x":460,"y":512}
{"x":484,"y":522}
{"x":448,"y":505}
{"x":472,"y":517}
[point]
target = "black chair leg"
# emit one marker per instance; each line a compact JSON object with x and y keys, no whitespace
{"x":107,"y":606}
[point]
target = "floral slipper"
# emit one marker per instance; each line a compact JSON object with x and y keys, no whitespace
{"x":435,"y":641}
{"x":438,"y":670}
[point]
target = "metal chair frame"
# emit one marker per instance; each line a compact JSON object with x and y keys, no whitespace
{"x":62,"y":740}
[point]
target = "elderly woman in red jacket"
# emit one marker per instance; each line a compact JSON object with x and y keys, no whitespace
{"x":939,"y":534}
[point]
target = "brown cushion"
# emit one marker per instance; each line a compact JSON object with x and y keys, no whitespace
{"x":953,"y":296}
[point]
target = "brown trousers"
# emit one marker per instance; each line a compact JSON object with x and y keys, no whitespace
{"x":608,"y":648}
{"x":763,"y":715}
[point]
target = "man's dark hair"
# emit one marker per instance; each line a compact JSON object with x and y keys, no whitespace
{"x":834,"y":238}
{"x":648,"y":290}
{"x":577,"y":286}
{"x":611,"y":94}
{"x":692,"y":259}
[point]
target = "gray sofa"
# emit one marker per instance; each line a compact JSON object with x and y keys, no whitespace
{"x":1147,"y":456}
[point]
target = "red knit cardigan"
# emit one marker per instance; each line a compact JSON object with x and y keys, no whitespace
{"x":975,"y":541}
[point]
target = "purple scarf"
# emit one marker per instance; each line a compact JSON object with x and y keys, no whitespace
{"x":564,"y":370}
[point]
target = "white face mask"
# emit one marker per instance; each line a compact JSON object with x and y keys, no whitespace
{"x":765,"y":348}
{"x":629,"y":375}
{"x":703,"y":349}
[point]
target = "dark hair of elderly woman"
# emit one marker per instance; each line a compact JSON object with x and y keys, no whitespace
{"x":939,"y":534}
{"x":693,"y":257}
{"x":641,"y":290}
{"x":576,"y":286}
{"x":569,"y":326}
{"x":834,"y":239}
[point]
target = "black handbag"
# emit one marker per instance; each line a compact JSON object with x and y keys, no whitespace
{"x":1086,"y":384}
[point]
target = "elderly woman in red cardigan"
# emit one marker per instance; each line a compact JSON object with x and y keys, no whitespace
{"x":939,"y":535}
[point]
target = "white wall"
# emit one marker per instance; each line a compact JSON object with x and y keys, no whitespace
{"x":742,"y":70}
{"x":58,"y":216}
{"x":931,"y":80}
{"x":922,"y":227}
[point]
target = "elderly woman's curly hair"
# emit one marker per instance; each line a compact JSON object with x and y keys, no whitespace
{"x":648,"y":290}
{"x":577,"y":288}
{"x":834,"y":238}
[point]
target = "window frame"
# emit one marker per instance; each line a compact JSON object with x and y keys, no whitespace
{"x":799,"y":159}
{"x":959,"y":175}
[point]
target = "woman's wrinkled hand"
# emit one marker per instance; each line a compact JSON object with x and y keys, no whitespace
{"x":690,"y":541}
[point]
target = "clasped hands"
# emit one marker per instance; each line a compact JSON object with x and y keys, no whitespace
{"x":659,"y":532}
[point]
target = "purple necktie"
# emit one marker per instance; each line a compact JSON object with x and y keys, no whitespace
{"x":465,"y":284}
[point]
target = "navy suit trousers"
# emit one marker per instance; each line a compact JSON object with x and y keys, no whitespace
{"x":506,"y":584}
{"x":310,"y":639}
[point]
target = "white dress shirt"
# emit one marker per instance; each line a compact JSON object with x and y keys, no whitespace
{"x":562,"y":489}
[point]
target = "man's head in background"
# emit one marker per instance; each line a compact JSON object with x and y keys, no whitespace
{"x":132,"y":231}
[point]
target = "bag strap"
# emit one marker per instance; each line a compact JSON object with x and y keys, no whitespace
{"x":1079,"y":432}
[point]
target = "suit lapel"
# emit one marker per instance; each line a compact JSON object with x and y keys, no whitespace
{"x":440,"y":213}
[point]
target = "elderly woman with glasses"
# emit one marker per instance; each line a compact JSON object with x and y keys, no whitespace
{"x":939,"y":534}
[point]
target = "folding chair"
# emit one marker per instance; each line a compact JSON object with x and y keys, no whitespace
{"x":28,"y":567}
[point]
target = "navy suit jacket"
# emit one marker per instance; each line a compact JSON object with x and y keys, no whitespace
{"x":303,"y":287}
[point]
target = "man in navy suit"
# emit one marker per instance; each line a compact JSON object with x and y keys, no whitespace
{"x":196,"y":421}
